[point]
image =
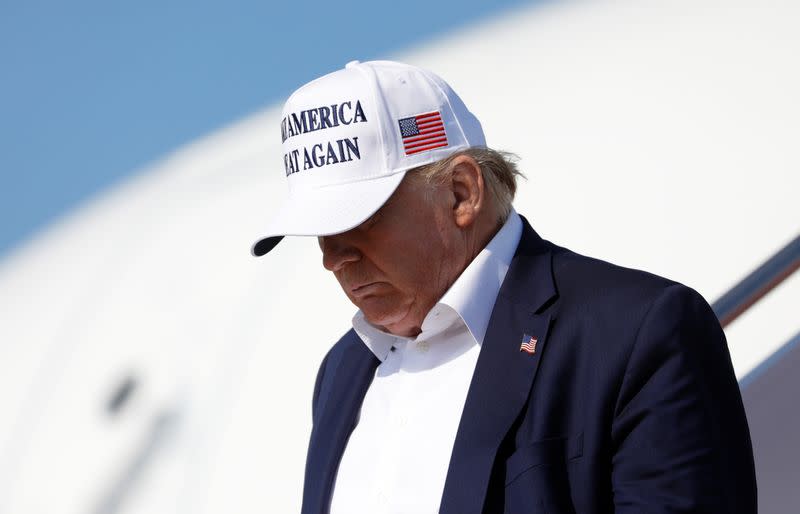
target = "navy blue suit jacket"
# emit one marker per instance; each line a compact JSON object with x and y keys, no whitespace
{"x":628,"y":405}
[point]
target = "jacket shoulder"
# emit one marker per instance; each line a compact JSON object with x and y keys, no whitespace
{"x":612,"y":301}
{"x":591,"y":279}
{"x":331,"y":361}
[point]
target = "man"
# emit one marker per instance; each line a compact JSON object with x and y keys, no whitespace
{"x":488,"y":370}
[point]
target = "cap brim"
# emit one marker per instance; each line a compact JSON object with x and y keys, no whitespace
{"x":327,"y":210}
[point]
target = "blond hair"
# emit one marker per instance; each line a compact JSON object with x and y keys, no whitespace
{"x":499,"y":171}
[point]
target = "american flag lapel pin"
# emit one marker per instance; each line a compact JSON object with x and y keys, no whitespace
{"x":528,"y":344}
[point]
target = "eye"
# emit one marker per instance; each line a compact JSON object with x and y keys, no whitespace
{"x":371,"y":221}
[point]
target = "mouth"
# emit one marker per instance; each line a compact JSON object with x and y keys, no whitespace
{"x":364,"y":289}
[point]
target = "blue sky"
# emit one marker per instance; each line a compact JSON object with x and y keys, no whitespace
{"x":93,"y":91}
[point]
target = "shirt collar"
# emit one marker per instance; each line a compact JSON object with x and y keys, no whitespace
{"x":471,"y":297}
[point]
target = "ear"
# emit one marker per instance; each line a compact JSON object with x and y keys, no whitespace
{"x":468,"y":190}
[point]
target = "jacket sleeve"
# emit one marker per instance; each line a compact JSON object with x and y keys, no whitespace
{"x":680,"y":436}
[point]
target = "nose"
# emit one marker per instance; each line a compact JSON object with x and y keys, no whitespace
{"x":337,"y":251}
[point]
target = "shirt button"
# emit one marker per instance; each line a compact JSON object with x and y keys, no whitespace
{"x":422,"y":346}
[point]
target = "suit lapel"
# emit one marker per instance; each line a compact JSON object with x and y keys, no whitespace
{"x":352,"y":375}
{"x":503,"y":375}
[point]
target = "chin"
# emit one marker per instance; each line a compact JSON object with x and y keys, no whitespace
{"x":394,"y":321}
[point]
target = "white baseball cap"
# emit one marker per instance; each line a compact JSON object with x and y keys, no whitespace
{"x":350,"y":136}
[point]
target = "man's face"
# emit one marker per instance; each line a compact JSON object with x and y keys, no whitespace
{"x":396,"y":265}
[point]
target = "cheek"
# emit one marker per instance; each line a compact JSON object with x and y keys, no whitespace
{"x":419,"y":265}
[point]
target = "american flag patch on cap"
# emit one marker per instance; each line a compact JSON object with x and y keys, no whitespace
{"x":422,"y":132}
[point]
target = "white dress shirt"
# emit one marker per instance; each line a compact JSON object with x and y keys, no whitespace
{"x":397,"y":456}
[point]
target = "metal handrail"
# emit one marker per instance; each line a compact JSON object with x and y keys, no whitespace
{"x":754,"y":286}
{"x":759,"y":371}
